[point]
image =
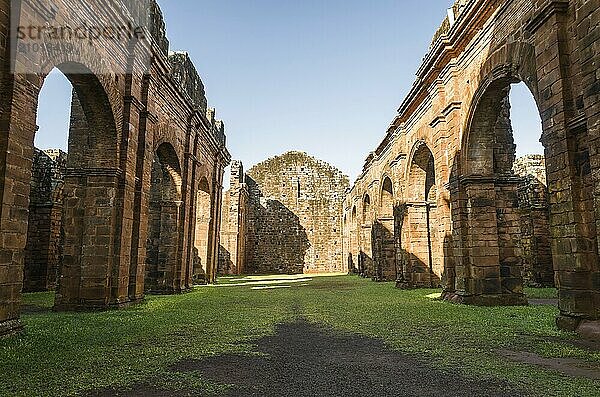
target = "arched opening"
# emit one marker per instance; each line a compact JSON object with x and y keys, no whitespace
{"x":365,"y":259}
{"x":420,"y":240}
{"x":533,"y":197}
{"x":44,"y":244}
{"x":164,"y":222}
{"x":353,"y":255}
{"x":384,"y":242}
{"x":366,"y":209}
{"x":72,"y":213}
{"x":505,"y":210}
{"x":203,"y":237}
{"x":387,"y":198}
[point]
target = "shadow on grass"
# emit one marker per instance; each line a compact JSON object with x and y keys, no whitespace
{"x":302,"y":359}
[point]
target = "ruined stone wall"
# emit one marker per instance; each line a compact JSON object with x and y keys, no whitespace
{"x":131,"y":101}
{"x":537,"y":266}
{"x":458,"y":109}
{"x":294,"y":216}
{"x":232,"y":252}
{"x":44,"y":230}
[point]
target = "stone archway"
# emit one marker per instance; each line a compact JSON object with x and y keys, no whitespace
{"x":489,"y":272}
{"x":365,"y":235}
{"x":90,"y":189}
{"x":203,"y":232}
{"x":384,"y":235}
{"x":164,"y":222}
{"x":86,"y":262}
{"x":354,"y":250}
{"x":420,"y":242}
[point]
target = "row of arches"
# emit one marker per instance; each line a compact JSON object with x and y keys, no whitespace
{"x":472,"y":239}
{"x":133,"y":214}
{"x":162,"y":263}
{"x":398,"y":240}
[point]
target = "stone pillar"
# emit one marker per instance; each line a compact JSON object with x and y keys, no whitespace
{"x":571,"y":160}
{"x":215,"y":224}
{"x":588,"y":20}
{"x":168,"y":254}
{"x":384,"y":250}
{"x":190,"y":257}
{"x":17,"y":127}
{"x":90,"y":225}
{"x":140,"y":224}
{"x":127,"y":278}
{"x":186,"y":225}
{"x":489,"y":274}
{"x":366,"y":251}
{"x":418,"y":246}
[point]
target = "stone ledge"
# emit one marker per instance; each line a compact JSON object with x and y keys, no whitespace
{"x":10,"y":328}
{"x":80,"y":307}
{"x":486,"y":300}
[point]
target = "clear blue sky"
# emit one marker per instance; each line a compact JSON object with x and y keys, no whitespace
{"x":322,"y":76}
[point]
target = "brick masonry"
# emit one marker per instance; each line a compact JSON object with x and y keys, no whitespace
{"x":44,"y":232}
{"x":486,"y":230}
{"x":536,"y":247}
{"x":292,"y":218}
{"x":142,"y":145}
{"x":234,"y":224}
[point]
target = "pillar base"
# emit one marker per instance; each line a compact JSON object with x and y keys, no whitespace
{"x":486,"y":300}
{"x":404,"y":285}
{"x":589,"y":330}
{"x":10,"y":327}
{"x":172,"y":291}
{"x":94,"y":307}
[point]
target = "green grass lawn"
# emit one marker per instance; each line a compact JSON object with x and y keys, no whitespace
{"x":541,"y":293}
{"x":70,"y":353}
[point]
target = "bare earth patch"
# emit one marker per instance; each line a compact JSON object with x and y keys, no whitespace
{"x":543,"y":302}
{"x":303,"y":359}
{"x":567,"y":366}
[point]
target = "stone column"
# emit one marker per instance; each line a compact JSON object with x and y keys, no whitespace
{"x":491,"y":274}
{"x":90,"y":225}
{"x":366,"y":250}
{"x":168,"y":254}
{"x":17,"y":128}
{"x":385,"y":259}
{"x":572,"y":162}
{"x":143,"y":170}
{"x":215,"y":224}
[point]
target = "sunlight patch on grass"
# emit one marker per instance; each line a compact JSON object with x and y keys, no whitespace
{"x":258,"y":282}
{"x":272,"y":287}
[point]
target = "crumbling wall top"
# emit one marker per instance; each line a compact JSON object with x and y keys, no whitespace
{"x":185,"y":74}
{"x":157,"y":27}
